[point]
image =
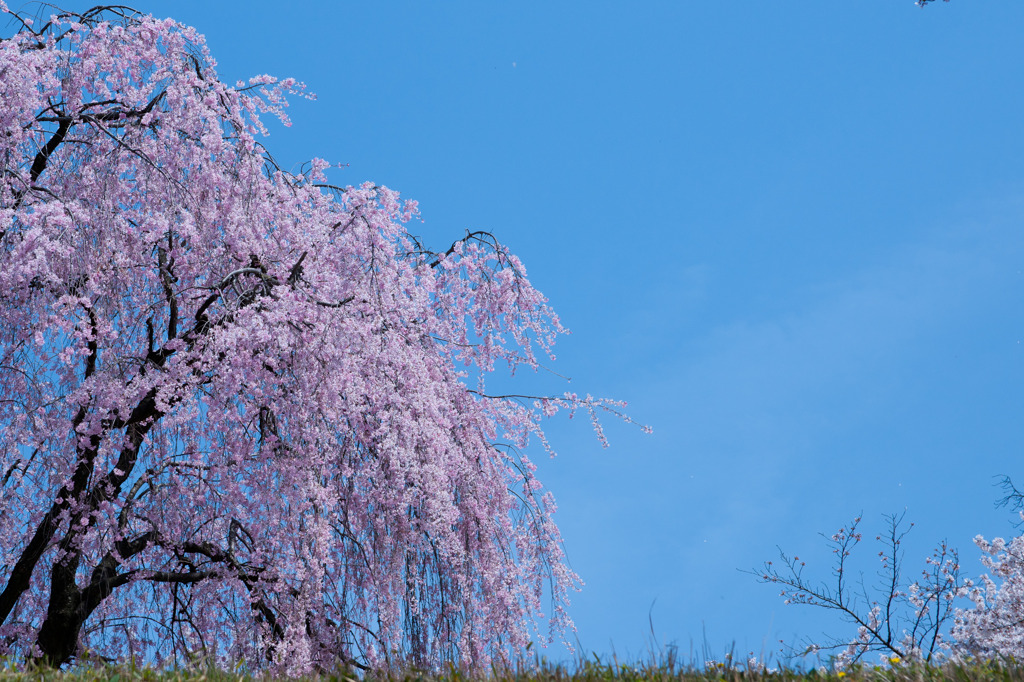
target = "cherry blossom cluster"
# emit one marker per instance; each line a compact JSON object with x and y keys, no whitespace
{"x":994,"y":626}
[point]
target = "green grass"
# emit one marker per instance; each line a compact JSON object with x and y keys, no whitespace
{"x":588,"y":670}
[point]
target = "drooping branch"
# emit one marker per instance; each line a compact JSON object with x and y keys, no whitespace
{"x":116,"y":115}
{"x":105,"y":578}
{"x":481,"y":236}
{"x":68,"y":494}
{"x":21,"y":573}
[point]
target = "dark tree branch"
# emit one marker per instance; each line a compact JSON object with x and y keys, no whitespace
{"x":905,"y":622}
{"x":168,"y":280}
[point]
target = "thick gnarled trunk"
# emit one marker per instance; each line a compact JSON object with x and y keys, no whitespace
{"x":58,"y":636}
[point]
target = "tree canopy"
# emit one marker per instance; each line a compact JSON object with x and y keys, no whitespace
{"x":243,"y":412}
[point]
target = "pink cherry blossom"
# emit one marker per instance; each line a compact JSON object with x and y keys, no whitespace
{"x":244,"y":413}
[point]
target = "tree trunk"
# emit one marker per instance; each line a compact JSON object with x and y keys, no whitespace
{"x":58,"y":636}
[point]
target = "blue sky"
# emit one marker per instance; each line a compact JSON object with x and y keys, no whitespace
{"x":788,"y":233}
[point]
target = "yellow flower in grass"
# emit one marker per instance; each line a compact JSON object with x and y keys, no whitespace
{"x":841,"y":674}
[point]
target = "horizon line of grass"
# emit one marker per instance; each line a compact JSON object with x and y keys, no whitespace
{"x":664,"y":669}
